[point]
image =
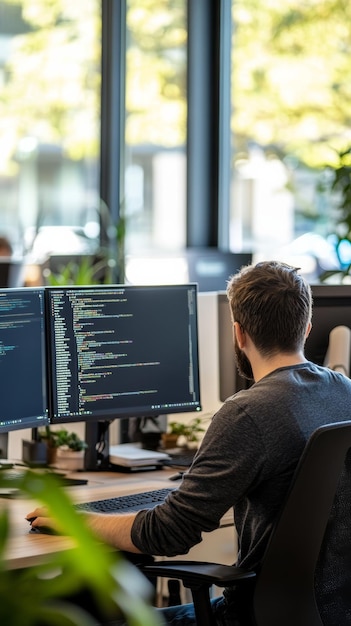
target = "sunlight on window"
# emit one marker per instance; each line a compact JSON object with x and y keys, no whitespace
{"x":49,"y":123}
{"x":155,"y":175}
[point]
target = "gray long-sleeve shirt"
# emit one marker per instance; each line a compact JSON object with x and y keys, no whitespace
{"x":246,"y":461}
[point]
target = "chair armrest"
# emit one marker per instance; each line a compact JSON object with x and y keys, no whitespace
{"x":199,"y":576}
{"x":194,"y":573}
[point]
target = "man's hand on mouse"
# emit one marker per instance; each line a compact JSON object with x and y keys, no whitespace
{"x":39,"y":517}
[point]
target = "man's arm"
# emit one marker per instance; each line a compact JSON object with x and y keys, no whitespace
{"x":113,"y":529}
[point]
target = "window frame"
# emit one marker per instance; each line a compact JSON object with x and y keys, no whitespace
{"x":208,"y":121}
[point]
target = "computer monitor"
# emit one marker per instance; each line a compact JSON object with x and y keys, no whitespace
{"x":122,"y":351}
{"x":211,"y":268}
{"x":331,"y":308}
{"x":23,"y":388}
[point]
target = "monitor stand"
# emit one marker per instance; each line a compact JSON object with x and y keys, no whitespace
{"x":3,"y":445}
{"x":97,"y":452}
{"x":5,"y":463}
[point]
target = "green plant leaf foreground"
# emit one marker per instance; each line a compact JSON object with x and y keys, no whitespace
{"x":33,"y":596}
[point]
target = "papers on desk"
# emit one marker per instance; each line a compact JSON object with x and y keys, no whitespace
{"x":127,"y":455}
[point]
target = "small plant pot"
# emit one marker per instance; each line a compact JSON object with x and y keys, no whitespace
{"x":51,"y":454}
{"x":69,"y":460}
{"x":169,"y":440}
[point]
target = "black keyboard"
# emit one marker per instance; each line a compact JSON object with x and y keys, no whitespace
{"x":125,"y":504}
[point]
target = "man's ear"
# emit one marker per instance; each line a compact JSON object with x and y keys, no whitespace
{"x":239,"y":335}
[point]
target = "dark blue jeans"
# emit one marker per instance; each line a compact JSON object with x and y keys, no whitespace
{"x":183,"y":614}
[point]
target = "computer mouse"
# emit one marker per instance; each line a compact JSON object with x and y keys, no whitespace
{"x":43,"y":530}
{"x":177,"y":476}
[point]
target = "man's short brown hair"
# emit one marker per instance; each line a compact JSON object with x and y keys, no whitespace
{"x":273,"y":304}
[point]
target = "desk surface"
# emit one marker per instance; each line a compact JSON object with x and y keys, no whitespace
{"x":26,"y":548}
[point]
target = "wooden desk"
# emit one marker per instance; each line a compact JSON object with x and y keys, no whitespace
{"x":26,"y":549}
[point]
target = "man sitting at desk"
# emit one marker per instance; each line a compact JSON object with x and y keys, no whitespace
{"x":249,"y":453}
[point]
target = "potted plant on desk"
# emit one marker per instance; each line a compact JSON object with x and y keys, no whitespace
{"x":188,"y":431}
{"x":65,"y":449}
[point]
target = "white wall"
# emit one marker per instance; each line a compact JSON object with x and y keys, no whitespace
{"x":208,"y":351}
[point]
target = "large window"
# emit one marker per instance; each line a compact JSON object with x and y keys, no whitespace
{"x":165,"y":132}
{"x":155,"y":132}
{"x":50,"y":57}
{"x":291,"y":73}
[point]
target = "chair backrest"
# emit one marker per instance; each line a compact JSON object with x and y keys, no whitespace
{"x":285,"y":588}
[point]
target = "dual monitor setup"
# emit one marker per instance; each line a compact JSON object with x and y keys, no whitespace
{"x":96,"y":353}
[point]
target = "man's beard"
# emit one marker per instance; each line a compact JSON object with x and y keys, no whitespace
{"x":242,"y":362}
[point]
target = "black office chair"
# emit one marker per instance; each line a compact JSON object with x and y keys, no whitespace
{"x":283,"y":590}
